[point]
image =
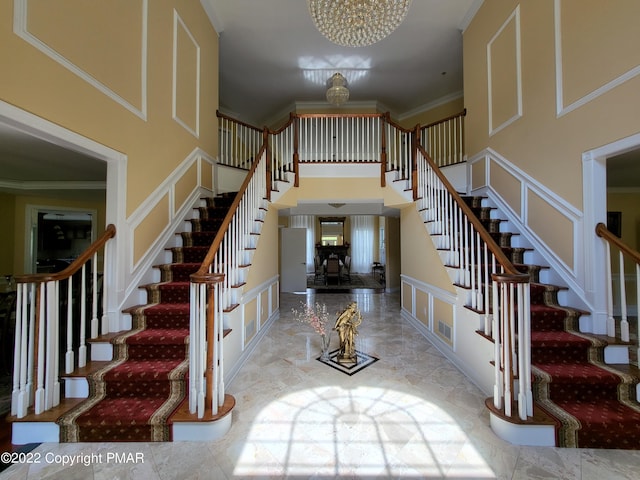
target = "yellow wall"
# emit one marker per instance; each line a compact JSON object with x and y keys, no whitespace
{"x":513,"y":63}
{"x":105,"y":41}
{"x":264,"y":264}
{"x":420,"y":259}
{"x":434,"y":114}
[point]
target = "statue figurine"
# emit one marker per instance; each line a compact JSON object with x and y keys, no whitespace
{"x":346,"y":326}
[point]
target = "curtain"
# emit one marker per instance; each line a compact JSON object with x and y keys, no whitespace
{"x":308,"y":222}
{"x":362,"y":243}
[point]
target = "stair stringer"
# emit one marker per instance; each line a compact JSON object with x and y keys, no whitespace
{"x":280,"y":187}
{"x":557,"y":273}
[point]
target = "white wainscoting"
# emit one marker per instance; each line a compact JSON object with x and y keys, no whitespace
{"x":571,"y":276}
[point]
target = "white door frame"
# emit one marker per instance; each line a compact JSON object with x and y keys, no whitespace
{"x":116,"y":251}
{"x":594,"y":188}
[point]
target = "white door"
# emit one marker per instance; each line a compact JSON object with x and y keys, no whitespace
{"x":293,"y":260}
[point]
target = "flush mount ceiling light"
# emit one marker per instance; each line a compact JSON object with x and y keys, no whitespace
{"x":337,"y":93}
{"x":357,"y":23}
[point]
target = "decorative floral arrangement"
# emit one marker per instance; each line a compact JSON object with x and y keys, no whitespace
{"x":316,"y":316}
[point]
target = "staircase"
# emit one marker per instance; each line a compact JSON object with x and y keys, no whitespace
{"x":589,"y":403}
{"x":136,"y":397}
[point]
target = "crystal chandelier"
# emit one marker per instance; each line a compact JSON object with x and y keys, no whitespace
{"x":357,"y":23}
{"x":337,"y":93}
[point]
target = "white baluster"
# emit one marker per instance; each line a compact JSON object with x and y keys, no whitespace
{"x":82,"y":349}
{"x":69,"y":357}
{"x":40,"y":403}
{"x":497,"y":388}
{"x":94,"y":299}
{"x":17,"y":352}
{"x":611,"y":326}
{"x":624,"y":323}
{"x":506,"y":347}
{"x":31,"y":302}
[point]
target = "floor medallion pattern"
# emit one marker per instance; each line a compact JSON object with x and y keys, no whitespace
{"x":363,"y":361}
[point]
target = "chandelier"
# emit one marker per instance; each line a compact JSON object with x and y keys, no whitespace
{"x":357,"y":23}
{"x":337,"y":93}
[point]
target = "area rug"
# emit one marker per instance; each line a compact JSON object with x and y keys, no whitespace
{"x":364,"y":360}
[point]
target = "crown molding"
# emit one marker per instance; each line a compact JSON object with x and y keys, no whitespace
{"x":215,"y":19}
{"x":45,"y":185}
{"x":431,"y":105}
{"x":469,"y":16}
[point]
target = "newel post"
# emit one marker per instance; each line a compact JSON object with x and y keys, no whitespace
{"x":265,"y":144}
{"x":383,"y":150}
{"x":415,"y":140}
{"x":296,"y":154}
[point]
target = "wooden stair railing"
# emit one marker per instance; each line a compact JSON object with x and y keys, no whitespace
{"x":628,"y":265}
{"x":215,"y":288}
{"x":495,"y":288}
{"x":47,"y":307}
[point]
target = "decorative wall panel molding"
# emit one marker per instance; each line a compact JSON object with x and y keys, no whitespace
{"x":55,"y":38}
{"x":504,"y":72}
{"x":186,"y":77}
{"x":589,"y":52}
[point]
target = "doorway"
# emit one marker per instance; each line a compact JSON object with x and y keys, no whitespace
{"x":595,"y":165}
{"x":57,"y":236}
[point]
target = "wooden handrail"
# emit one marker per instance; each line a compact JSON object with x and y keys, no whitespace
{"x":395,"y":124}
{"x":463,"y":113}
{"x":286,"y":125}
{"x":339,"y":115}
{"x":227,"y":117}
{"x":603,"y":232}
{"x":486,"y":237}
{"x":75,"y":266}
{"x":203,"y":271}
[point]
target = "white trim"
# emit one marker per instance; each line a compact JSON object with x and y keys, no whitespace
{"x":174,"y":93}
{"x":211,"y":10}
{"x":470,"y":14}
{"x":573,"y":276}
{"x":165,"y":189}
{"x":20,"y":28}
{"x":341,"y":170}
{"x":515,"y":15}
{"x":45,"y":185}
{"x":561,"y":108}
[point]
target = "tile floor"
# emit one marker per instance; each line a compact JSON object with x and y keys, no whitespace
{"x":409,"y":415}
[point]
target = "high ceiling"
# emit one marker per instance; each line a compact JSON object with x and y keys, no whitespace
{"x":272,"y":56}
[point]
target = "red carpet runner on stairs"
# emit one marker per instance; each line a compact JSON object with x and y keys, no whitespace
{"x":594,"y":405}
{"x":132,"y":399}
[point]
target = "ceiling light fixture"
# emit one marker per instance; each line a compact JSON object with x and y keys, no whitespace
{"x":337,"y":93}
{"x":357,"y":23}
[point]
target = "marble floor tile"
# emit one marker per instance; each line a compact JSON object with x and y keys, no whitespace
{"x":411,"y":414}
